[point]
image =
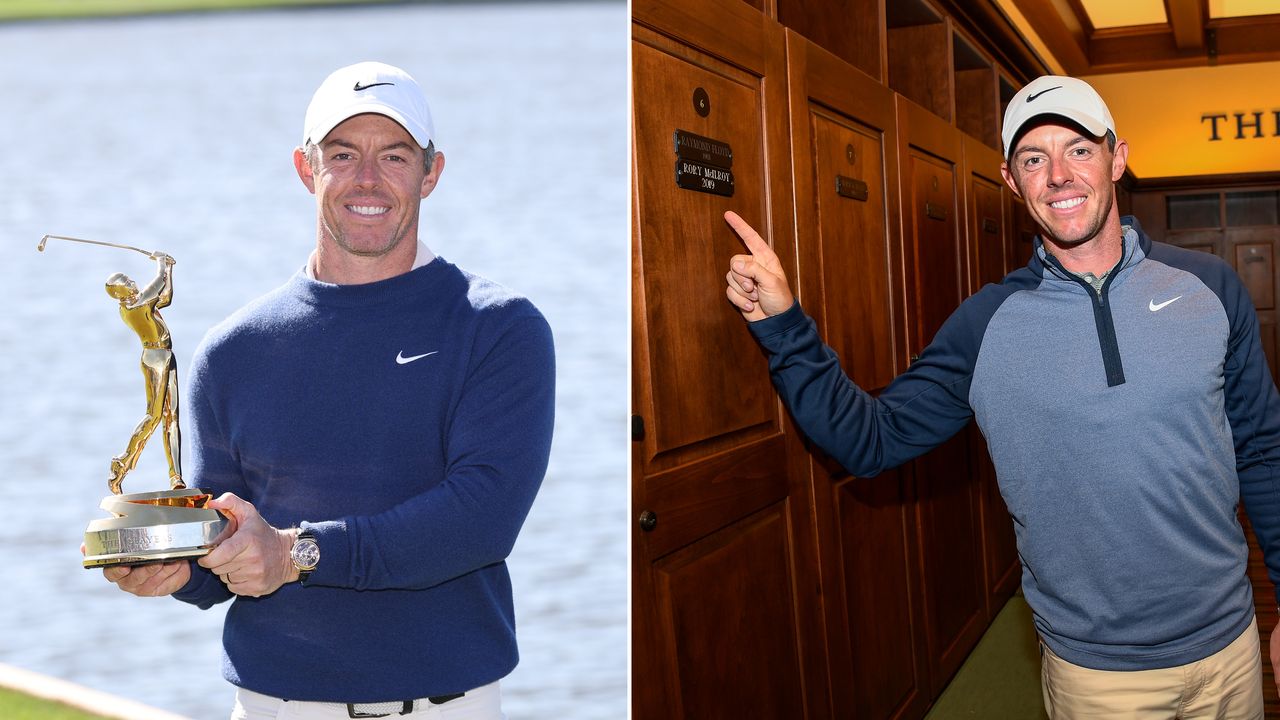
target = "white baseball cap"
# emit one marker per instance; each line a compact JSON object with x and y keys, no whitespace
{"x":1056,"y":95}
{"x":368,"y":87}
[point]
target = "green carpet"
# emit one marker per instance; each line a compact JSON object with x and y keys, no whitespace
{"x":1001,"y":677}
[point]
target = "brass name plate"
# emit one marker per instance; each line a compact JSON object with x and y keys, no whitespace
{"x":989,"y":225}
{"x":935,"y":211}
{"x":850,"y":188}
{"x":703,"y":150}
{"x":704,"y":178}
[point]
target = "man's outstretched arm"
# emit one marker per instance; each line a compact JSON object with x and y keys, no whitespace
{"x":867,"y":435}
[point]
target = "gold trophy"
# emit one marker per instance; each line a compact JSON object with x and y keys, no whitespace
{"x":151,"y":526}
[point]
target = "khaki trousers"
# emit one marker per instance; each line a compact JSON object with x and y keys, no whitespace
{"x":1226,"y":685}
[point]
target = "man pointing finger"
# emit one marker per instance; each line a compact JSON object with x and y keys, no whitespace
{"x":757,"y":283}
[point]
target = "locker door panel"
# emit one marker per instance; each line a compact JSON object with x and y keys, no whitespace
{"x":845,"y":165}
{"x":989,"y":248}
{"x":721,"y":550}
{"x":685,"y":246}
{"x":948,"y":490}
{"x":849,"y":184}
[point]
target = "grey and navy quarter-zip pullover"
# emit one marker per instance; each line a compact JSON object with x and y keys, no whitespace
{"x":1125,"y":426}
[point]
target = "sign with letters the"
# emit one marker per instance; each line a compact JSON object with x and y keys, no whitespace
{"x":1220,"y":120}
{"x":1242,"y":125}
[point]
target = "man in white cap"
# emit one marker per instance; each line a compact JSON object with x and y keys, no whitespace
{"x":377,"y":429}
{"x":1127,"y":406}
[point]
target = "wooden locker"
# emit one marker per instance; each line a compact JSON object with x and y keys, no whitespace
{"x":1023,"y":231}
{"x":723,"y":580}
{"x":989,"y":252}
{"x":986,"y":215}
{"x":850,"y":280}
{"x":948,"y":494}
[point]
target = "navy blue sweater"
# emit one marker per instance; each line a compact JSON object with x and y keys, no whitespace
{"x":1124,"y":427}
{"x":415,"y":477}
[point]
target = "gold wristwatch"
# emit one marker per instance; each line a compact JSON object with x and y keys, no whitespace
{"x":305,"y":554}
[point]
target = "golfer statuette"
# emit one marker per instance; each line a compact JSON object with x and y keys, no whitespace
{"x":150,"y":526}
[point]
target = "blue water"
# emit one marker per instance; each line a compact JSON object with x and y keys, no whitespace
{"x":175,"y":133}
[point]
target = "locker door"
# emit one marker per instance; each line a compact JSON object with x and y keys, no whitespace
{"x":989,"y":250}
{"x":1023,"y":233}
{"x":845,"y":166}
{"x":986,"y":215}
{"x":948,"y":492}
{"x":723,"y":584}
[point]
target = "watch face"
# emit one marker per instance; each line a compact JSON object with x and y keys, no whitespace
{"x":305,"y":554}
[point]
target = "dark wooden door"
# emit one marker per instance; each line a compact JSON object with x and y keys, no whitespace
{"x":844,"y":163}
{"x":948,"y":494}
{"x":989,"y":230}
{"x":1023,"y":231}
{"x":724,"y":586}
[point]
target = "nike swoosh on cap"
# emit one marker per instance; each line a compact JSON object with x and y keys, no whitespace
{"x":1036,"y":95}
{"x":360,"y":87}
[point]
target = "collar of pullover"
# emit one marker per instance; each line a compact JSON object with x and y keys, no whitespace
{"x":1134,"y":248}
{"x":433,"y":275}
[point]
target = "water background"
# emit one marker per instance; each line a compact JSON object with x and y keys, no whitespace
{"x":174,"y":133}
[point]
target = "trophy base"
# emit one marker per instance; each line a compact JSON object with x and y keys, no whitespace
{"x":152,"y":527}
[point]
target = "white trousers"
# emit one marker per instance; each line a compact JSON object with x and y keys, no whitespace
{"x":483,"y":703}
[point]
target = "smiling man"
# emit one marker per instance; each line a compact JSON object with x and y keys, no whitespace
{"x":1127,"y":406}
{"x":376,"y":429}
